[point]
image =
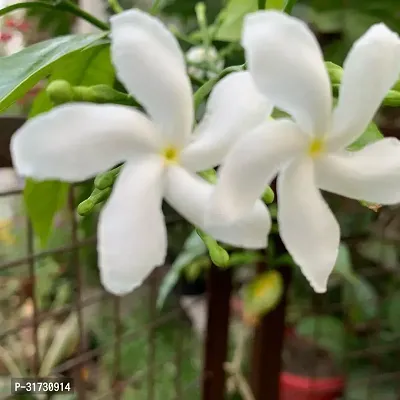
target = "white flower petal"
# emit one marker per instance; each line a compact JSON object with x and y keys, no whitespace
{"x":251,"y":165}
{"x":189,"y":195}
{"x":233,"y":109}
{"x":132,"y":232}
{"x":287,"y":65}
{"x":150,"y":64}
{"x":371,"y":174}
{"x":307,"y":226}
{"x":370,"y":70}
{"x":74,"y":142}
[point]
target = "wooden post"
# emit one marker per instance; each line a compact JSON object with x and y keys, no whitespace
{"x":267,"y":349}
{"x":216,"y":341}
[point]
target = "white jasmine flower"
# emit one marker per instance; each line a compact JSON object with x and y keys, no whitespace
{"x":309,"y":154}
{"x":75,"y":142}
{"x":205,"y":56}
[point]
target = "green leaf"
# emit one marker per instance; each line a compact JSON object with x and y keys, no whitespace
{"x":232,"y":19}
{"x":327,"y":332}
{"x":22,"y":70}
{"x":393,"y":312}
{"x":371,"y":134}
{"x":262,"y":294}
{"x":43,"y":200}
{"x":360,"y":300}
{"x":275,"y":4}
{"x":91,"y":66}
{"x":343,"y":266}
{"x":193,"y":248}
{"x":380,"y":252}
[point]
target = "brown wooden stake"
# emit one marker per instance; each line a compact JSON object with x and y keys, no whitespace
{"x":267,"y":346}
{"x":216,"y":341}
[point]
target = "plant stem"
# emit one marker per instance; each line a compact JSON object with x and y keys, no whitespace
{"x":61,"y":5}
{"x":116,"y":7}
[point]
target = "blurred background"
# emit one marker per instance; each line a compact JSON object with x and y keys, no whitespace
{"x":55,"y":317}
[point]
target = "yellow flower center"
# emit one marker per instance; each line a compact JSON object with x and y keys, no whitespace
{"x":171,"y":155}
{"x":316,"y":147}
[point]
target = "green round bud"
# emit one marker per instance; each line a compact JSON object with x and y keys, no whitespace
{"x":60,"y":92}
{"x":219,"y":256}
{"x":268,"y":196}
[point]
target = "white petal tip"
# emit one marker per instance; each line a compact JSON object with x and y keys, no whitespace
{"x":318,"y":289}
{"x":382,"y":32}
{"x":118,"y":288}
{"x":129,"y":15}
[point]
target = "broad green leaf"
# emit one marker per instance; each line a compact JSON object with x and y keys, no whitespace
{"x":232,"y":16}
{"x":360,"y":300}
{"x":22,"y":70}
{"x":371,"y":134}
{"x":91,"y":66}
{"x":193,"y":248}
{"x":42,"y":201}
{"x":327,"y":332}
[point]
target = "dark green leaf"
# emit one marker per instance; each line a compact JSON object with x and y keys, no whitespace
{"x":393,"y":312}
{"x":43,"y":200}
{"x":360,"y":300}
{"x":21,"y":71}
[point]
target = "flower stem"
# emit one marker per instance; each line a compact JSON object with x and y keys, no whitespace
{"x":115,"y":6}
{"x":61,"y":5}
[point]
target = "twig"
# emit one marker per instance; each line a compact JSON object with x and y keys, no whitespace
{"x":61,"y":5}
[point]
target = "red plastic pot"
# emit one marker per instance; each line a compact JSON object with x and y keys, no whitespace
{"x":294,"y":387}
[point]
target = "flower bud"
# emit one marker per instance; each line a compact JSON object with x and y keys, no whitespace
{"x":210,"y":64}
{"x":97,"y":197}
{"x":60,"y":92}
{"x":219,"y":256}
{"x":268,"y":196}
{"x":107,"y":179}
